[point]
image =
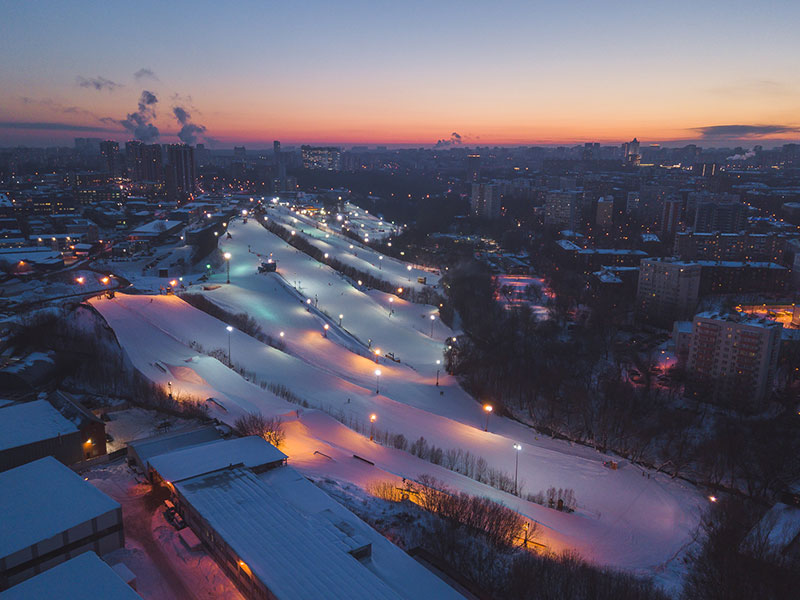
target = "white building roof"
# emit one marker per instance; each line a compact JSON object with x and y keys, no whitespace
{"x":85,"y":576}
{"x":252,"y":451}
{"x":147,"y":448}
{"x":30,"y":422}
{"x":156,"y":226}
{"x":43,"y":498}
{"x":296,"y":555}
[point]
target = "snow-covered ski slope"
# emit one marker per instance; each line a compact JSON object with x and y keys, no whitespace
{"x":350,"y":252}
{"x":624,"y":519}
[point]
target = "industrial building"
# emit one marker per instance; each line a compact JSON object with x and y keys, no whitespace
{"x":85,"y":576}
{"x":49,"y":515}
{"x":33,"y":430}
{"x":280,"y":537}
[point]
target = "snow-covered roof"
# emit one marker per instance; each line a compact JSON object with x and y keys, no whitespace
{"x":252,"y":452}
{"x":30,"y":422}
{"x":85,"y":576}
{"x":43,"y":498}
{"x":147,"y":448}
{"x":156,"y":226}
{"x":295,"y":554}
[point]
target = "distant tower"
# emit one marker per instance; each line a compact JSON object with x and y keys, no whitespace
{"x":632,"y":154}
{"x":110,"y":151}
{"x":180,"y":171}
{"x":473,"y":168}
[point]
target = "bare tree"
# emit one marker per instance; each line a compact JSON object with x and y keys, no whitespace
{"x":269,"y":428}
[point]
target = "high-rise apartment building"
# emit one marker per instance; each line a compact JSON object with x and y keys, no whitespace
{"x":733,"y":358}
{"x":671,"y":216}
{"x":744,"y":246}
{"x":111,"y":157}
{"x":668,"y":290}
{"x":725,"y":217}
{"x":145,"y":161}
{"x":604,"y":216}
{"x":564,"y":209}
{"x":318,"y":157}
{"x":180,"y":171}
{"x":485,"y":201}
{"x":473,"y":168}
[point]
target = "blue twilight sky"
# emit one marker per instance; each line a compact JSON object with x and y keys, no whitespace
{"x":402,"y":72}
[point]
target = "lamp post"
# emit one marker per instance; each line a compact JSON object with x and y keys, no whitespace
{"x":380,"y":263}
{"x":409,"y":273}
{"x":438,"y":362}
{"x":433,"y":319}
{"x":325,"y":330}
{"x":372,"y":418}
{"x":227,"y":256}
{"x":340,"y":320}
{"x":377,"y":381}
{"x":230,"y":330}
{"x":391,"y":303}
{"x":488,"y":410}
{"x":517,"y":447}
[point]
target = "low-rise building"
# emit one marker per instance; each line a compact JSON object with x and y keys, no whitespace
{"x":32,"y":430}
{"x":278,"y":536}
{"x":49,"y":515}
{"x":733,"y":358}
{"x":85,"y":576}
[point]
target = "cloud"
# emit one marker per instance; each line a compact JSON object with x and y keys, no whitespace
{"x":52,"y":126}
{"x":745,"y":156}
{"x":453,"y":140}
{"x":755,"y":87}
{"x":98,"y":83}
{"x":140,"y":123}
{"x":189,"y":131}
{"x":145,"y":73}
{"x":57,"y":106}
{"x":743,"y":131}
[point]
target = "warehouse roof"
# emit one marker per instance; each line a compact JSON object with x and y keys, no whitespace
{"x":30,"y":422}
{"x":251,"y":451}
{"x":295,"y":554}
{"x":85,"y":576}
{"x":43,"y":498}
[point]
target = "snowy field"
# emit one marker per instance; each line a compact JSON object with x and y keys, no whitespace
{"x":624,"y":519}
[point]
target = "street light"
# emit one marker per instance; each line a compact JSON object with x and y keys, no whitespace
{"x":377,"y":381}
{"x":227,"y":256}
{"x":438,"y":362}
{"x":340,"y":320}
{"x":517,"y":447}
{"x":230,"y":330}
{"x":488,"y":409}
{"x":433,"y":318}
{"x":380,"y":263}
{"x":325,"y":330}
{"x":372,"y":418}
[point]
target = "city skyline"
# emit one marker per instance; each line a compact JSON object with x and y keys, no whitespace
{"x":363,"y":73}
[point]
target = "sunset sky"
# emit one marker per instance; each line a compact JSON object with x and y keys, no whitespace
{"x":402,"y":72}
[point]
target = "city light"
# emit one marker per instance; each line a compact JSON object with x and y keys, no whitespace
{"x":488,"y":408}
